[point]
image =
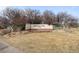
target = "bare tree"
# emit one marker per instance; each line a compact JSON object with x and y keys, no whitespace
{"x":15,"y":16}
{"x":33,"y":16}
{"x":65,"y":20}
{"x":4,"y":22}
{"x":49,"y":17}
{"x":21,"y":17}
{"x":72,"y":21}
{"x":36,"y":17}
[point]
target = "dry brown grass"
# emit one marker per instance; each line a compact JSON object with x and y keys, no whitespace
{"x":55,"y":41}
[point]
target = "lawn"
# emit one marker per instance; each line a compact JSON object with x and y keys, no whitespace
{"x":55,"y":41}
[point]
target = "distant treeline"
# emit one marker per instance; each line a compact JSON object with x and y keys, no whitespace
{"x":17,"y":17}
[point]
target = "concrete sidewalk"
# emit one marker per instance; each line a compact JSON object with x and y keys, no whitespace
{"x":6,"y":48}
